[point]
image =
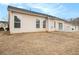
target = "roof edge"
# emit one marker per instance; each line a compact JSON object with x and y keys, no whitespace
{"x":12,"y":7}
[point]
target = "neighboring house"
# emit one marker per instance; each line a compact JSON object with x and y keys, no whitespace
{"x":3,"y":25}
{"x":21,"y":20}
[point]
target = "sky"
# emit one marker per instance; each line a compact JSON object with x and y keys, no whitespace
{"x":62,"y":10}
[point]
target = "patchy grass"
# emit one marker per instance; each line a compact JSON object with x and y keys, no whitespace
{"x":53,"y":43}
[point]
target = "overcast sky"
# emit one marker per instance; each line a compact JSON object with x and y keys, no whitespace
{"x":65,"y":11}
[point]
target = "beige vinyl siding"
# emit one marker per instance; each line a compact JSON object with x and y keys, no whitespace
{"x":28,"y":23}
{"x":54,"y":25}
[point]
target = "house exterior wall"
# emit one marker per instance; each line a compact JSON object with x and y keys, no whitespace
{"x":70,"y":28}
{"x":67,"y":27}
{"x":54,"y":25}
{"x":28,"y":23}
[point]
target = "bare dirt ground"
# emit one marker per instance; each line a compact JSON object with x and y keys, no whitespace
{"x":54,"y":43}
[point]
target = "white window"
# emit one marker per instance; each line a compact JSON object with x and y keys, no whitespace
{"x":37,"y":23}
{"x":16,"y":22}
{"x":44,"y":24}
{"x":60,"y":26}
{"x":54,"y":24}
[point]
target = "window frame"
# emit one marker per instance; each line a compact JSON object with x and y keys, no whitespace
{"x":44,"y":23}
{"x":17,"y":22}
{"x":37,"y":23}
{"x":60,"y":26}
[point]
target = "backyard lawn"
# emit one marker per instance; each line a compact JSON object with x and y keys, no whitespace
{"x":52,"y":43}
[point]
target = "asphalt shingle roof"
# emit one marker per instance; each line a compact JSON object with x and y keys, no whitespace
{"x":57,"y":18}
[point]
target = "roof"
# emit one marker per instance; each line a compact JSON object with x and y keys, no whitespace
{"x":50,"y":16}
